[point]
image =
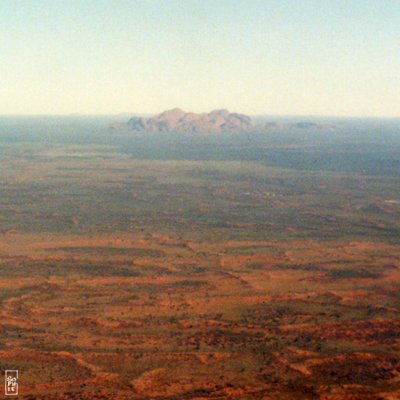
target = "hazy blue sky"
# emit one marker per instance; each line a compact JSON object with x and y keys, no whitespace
{"x":313,"y":57}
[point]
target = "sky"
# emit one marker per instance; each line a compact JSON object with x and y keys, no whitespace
{"x":270,"y":57}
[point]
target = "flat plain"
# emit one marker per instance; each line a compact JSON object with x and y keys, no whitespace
{"x":241,"y":276}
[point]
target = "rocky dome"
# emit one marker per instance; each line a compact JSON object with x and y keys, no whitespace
{"x":177,"y":120}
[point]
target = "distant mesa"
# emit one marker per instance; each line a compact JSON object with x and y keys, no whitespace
{"x":305,"y":125}
{"x":313,"y":125}
{"x":177,"y":120}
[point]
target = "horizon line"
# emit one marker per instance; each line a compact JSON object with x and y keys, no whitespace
{"x":127,"y":114}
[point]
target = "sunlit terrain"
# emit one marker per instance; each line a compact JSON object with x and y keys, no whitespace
{"x":263,"y":266}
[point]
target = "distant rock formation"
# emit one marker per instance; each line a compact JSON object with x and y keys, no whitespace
{"x":305,"y":125}
{"x":176,"y":120}
{"x":312,"y":125}
{"x":217,"y":121}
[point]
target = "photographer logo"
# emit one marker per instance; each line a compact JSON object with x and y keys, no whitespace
{"x":11,"y":383}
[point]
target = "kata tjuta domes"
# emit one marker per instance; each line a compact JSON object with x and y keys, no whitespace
{"x":177,"y":120}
